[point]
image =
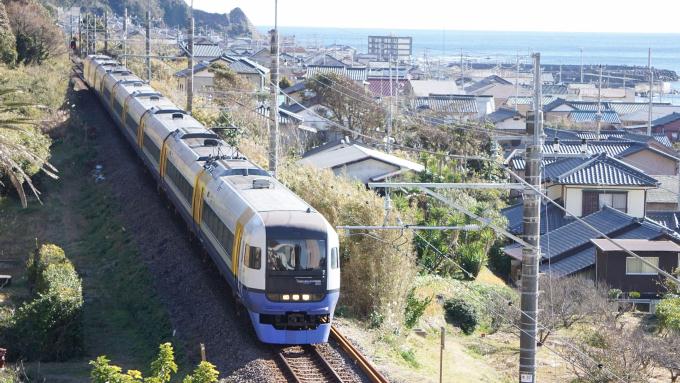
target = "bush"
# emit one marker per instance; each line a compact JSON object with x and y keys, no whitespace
{"x":414,"y":308}
{"x":614,"y":293}
{"x":668,"y":312}
{"x":8,"y":53}
{"x":162,"y":369}
{"x":462,"y":314}
{"x":634,"y":295}
{"x":37,"y":36}
{"x":499,"y":262}
{"x":49,"y":327}
{"x":472,"y":258}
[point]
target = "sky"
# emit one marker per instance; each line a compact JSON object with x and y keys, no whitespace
{"x":653,"y":16}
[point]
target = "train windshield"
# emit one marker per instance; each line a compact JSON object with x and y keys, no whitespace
{"x":296,"y":254}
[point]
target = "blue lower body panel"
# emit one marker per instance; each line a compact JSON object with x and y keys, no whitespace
{"x":258,"y":305}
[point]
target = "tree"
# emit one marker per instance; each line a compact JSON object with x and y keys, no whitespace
{"x":570,"y":300}
{"x":8,"y":52}
{"x":665,"y":352}
{"x":284,"y":83}
{"x":37,"y":36}
{"x":351,"y":105}
{"x":14,"y":153}
{"x":204,"y":373}
{"x":612,"y":354}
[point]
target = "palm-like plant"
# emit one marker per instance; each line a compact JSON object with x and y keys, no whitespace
{"x":12,"y":151}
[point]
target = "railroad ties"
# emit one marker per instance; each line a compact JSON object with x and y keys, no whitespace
{"x":306,"y":364}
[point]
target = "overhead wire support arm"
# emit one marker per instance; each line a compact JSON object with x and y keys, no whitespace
{"x":411,"y":227}
{"x":398,"y":185}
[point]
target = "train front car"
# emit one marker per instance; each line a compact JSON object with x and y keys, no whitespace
{"x":302,"y":279}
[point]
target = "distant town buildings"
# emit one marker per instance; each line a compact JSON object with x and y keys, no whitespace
{"x":388,"y":48}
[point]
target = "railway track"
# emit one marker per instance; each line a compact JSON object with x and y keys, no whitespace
{"x":324,"y":363}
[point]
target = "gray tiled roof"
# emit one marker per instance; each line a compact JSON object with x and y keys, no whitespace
{"x":586,"y":257}
{"x":502,"y":114}
{"x":666,"y":119}
{"x":552,"y":218}
{"x":608,"y":116}
{"x":528,"y":100}
{"x":446,"y":103}
{"x":599,"y":169}
{"x":207,"y":50}
{"x":667,"y":192}
{"x":669,"y":219}
{"x":554,"y":90}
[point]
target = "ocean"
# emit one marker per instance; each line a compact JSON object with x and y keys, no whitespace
{"x":480,"y":46}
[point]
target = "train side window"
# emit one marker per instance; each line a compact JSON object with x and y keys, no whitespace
{"x":219,"y":230}
{"x":254,"y":255}
{"x":130,"y":123}
{"x":335,"y":258}
{"x":151,"y":147}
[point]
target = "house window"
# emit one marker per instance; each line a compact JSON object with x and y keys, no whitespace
{"x":634,"y":266}
{"x":596,"y":200}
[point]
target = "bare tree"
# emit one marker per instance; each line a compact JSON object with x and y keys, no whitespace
{"x":666,"y":353}
{"x":570,"y":300}
{"x":612,"y":353}
{"x":37,"y":36}
{"x":349,"y":103}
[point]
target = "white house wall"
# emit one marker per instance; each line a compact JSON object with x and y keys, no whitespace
{"x":574,"y":200}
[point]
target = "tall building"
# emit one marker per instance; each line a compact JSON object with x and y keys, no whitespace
{"x":386,"y":47}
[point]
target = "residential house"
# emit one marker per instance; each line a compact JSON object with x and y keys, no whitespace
{"x":568,"y":250}
{"x":525,"y":103}
{"x":255,"y":74}
{"x":359,"y":162}
{"x":424,"y":88}
{"x":665,"y":197}
{"x":292,"y":131}
{"x":618,"y":269}
{"x":318,"y":117}
{"x":456,"y":107}
{"x":668,"y":125}
{"x":509,"y":120}
{"x":202,"y":52}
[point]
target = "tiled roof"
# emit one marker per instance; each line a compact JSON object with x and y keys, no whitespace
{"x":502,"y":114}
{"x":552,"y":133}
{"x":294,"y":88}
{"x":455,"y":104}
{"x":552,"y":218}
{"x":554,"y":90}
{"x":324,"y":60}
{"x":207,"y":50}
{"x":667,"y":192}
{"x":528,"y":100}
{"x":666,"y":119}
{"x":609,"y":117}
{"x":486,"y":82}
{"x":240,"y":65}
{"x":668,"y":219}
{"x":314,"y":70}
{"x":285,"y":116}
{"x":599,"y":169}
{"x":383,"y":88}
{"x":356,"y":74}
{"x":586,"y":257}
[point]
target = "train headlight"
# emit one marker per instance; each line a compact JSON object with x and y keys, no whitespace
{"x":296,"y":297}
{"x":285,"y":297}
{"x":305,"y":297}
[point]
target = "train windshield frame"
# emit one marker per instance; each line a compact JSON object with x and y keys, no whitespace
{"x":296,"y":254}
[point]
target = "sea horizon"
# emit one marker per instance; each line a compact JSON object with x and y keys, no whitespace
{"x":610,"y":48}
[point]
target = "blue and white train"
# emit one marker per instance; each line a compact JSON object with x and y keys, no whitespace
{"x":278,"y":254}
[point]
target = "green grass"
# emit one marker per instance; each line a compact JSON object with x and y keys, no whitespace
{"x":123,"y":317}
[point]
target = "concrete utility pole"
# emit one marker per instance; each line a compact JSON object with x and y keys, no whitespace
{"x":148,"y":45}
{"x":87,"y":34}
{"x":598,"y":115}
{"x":125,"y":34}
{"x":651,"y":92}
{"x":106,"y":32}
{"x":80,"y":34}
{"x":532,"y":232}
{"x":581,"y":65}
{"x":274,"y":107}
{"x":190,"y":60}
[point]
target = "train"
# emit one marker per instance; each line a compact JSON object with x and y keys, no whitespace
{"x":279,"y":256}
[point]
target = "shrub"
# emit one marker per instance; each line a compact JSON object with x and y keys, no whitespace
{"x":37,"y":36}
{"x":614,"y":293}
{"x":668,"y":312}
{"x":472,"y":258}
{"x":634,"y":295}
{"x":49,"y":327}
{"x":499,"y":262}
{"x":414,"y":308}
{"x":8,"y":53}
{"x":462,"y":314}
{"x":162,"y":369}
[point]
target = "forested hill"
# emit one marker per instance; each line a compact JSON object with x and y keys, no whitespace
{"x":173,"y":12}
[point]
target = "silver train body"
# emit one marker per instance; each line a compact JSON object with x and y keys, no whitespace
{"x":277,"y":253}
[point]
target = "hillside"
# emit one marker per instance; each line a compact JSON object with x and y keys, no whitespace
{"x":174,"y":13}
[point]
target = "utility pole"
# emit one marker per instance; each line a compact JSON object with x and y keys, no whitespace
{"x":80,"y":33}
{"x":598,"y":115}
{"x":87,"y":34}
{"x":581,"y":65}
{"x":274,"y":107}
{"x":125,"y":34}
{"x":651,"y":92}
{"x":106,"y":32}
{"x":94,"y":35}
{"x":532,"y":225}
{"x":190,"y":60}
{"x":148,"y":45}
